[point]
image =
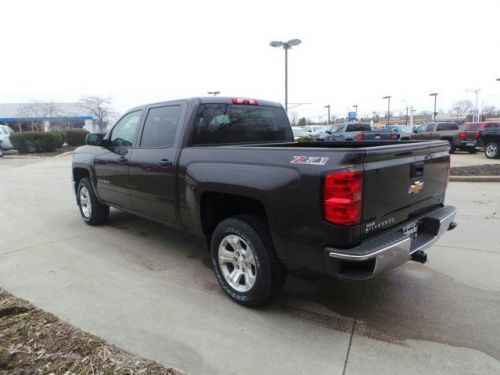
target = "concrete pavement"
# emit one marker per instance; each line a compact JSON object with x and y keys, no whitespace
{"x":150,"y":290}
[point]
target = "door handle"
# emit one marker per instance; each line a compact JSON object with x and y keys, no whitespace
{"x":122,"y":159}
{"x":165,"y":163}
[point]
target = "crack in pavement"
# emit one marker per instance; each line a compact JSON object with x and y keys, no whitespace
{"x":42,"y":244}
{"x":353,"y":329}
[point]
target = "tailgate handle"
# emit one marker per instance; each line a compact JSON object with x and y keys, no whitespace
{"x":417,"y":169}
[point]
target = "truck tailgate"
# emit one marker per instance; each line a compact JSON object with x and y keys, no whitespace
{"x":402,"y":182}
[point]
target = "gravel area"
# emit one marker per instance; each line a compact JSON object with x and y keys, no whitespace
{"x":33,"y":341}
{"x":478,"y":170}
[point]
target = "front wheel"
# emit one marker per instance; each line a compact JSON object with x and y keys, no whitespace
{"x":492,"y":151}
{"x":92,"y":211}
{"x":1,"y":152}
{"x":451,"y":148}
{"x":245,"y":262}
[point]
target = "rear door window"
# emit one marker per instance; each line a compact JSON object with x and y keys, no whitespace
{"x":444,"y":127}
{"x":160,"y":126}
{"x":233,"y":123}
{"x":358,"y":128}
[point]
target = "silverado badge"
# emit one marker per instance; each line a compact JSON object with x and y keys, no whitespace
{"x":416,"y":187}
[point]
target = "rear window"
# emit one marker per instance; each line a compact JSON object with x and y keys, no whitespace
{"x":472,"y":126}
{"x":232,"y":123}
{"x":358,"y":128}
{"x":490,"y":125}
{"x":447,"y":127}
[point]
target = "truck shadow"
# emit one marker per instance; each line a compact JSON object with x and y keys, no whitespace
{"x":410,"y":302}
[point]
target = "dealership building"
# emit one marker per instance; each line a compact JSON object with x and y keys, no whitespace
{"x":46,"y":116}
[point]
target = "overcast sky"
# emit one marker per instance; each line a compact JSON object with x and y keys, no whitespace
{"x":352,"y":52}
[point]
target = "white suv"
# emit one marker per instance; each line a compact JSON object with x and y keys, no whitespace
{"x":5,"y":133}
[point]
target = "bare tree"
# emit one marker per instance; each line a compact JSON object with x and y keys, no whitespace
{"x":100,"y":109}
{"x":462,"y":106}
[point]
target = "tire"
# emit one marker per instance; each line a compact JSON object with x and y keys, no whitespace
{"x":244,"y":241}
{"x":92,"y":211}
{"x":1,"y":152}
{"x":492,"y":150}
{"x":452,"y":147}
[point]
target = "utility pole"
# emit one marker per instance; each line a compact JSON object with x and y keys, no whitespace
{"x":457,"y":109}
{"x":434,"y":94}
{"x":388,"y":97}
{"x":328,"y":107}
{"x":355,"y":106}
{"x":412,"y":111}
{"x":406,"y":118}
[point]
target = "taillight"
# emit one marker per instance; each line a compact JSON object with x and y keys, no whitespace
{"x":343,"y":197}
{"x":360,"y":137}
{"x":476,"y":135}
{"x":394,"y":136}
{"x":462,"y":135}
{"x":245,"y":101}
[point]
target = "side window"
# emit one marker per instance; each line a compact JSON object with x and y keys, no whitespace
{"x":424,"y":128}
{"x":443,"y":127}
{"x":160,"y":126}
{"x":124,"y":132}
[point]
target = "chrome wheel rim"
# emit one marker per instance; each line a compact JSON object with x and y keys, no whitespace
{"x":491,"y":150}
{"x":85,"y":204}
{"x":237,"y":263}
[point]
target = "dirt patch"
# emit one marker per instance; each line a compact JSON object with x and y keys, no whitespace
{"x":33,"y":341}
{"x":477,"y":170}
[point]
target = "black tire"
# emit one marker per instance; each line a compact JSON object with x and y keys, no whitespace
{"x":270,"y":275}
{"x":98,"y":214}
{"x":1,"y":152}
{"x":452,"y":147}
{"x":492,"y":150}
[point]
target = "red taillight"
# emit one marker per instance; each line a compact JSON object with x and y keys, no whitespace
{"x":343,"y":197}
{"x":394,"y":136}
{"x":476,"y":135}
{"x":244,"y":101}
{"x":360,"y":137}
{"x":462,"y":135}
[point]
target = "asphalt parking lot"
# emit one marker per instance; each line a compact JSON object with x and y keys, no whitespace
{"x":150,"y":291}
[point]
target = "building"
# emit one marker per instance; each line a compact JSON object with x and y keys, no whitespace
{"x":45,"y":116}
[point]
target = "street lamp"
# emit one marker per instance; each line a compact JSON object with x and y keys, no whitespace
{"x":434,"y":94}
{"x":214,"y":93}
{"x":355,"y":106}
{"x":328,"y":107}
{"x":475,"y":91}
{"x":388,"y":97}
{"x":286,"y":46}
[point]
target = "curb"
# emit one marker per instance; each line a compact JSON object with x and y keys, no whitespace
{"x":474,"y":178}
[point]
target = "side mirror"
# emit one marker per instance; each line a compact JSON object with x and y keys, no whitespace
{"x":94,"y":139}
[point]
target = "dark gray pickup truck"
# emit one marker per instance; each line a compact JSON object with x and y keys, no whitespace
{"x":356,"y":132}
{"x":228,"y":170}
{"x":447,"y":131}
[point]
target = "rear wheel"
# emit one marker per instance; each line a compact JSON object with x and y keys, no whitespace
{"x":451,"y":148}
{"x":245,"y":262}
{"x":1,"y":151}
{"x":92,"y":211}
{"x":492,"y":150}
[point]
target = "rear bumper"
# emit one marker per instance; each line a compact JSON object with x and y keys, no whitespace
{"x":467,"y":144}
{"x":389,"y":249}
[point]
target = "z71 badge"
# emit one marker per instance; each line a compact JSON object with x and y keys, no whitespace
{"x":312,"y":160}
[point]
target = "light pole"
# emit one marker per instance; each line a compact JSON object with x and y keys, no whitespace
{"x":214,"y":93}
{"x":475,"y":91}
{"x":388,"y":97}
{"x":355,"y":106}
{"x":286,"y":46}
{"x":434,"y":94}
{"x":328,"y":107}
{"x":458,"y":110}
{"x":406,"y":118}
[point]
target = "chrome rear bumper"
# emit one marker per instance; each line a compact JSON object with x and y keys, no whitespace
{"x":389,"y":249}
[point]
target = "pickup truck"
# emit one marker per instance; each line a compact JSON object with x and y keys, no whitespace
{"x":447,"y":131}
{"x":356,"y":132}
{"x":228,"y":170}
{"x":489,"y":138}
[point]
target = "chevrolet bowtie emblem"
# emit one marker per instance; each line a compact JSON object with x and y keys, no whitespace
{"x":416,"y":187}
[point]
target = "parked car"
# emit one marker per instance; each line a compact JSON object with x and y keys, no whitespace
{"x":358,"y":132}
{"x":5,"y":133}
{"x":228,"y":170}
{"x":489,"y":138}
{"x":299,"y":132}
{"x":314,"y":130}
{"x":447,"y":131}
{"x":404,"y":132}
